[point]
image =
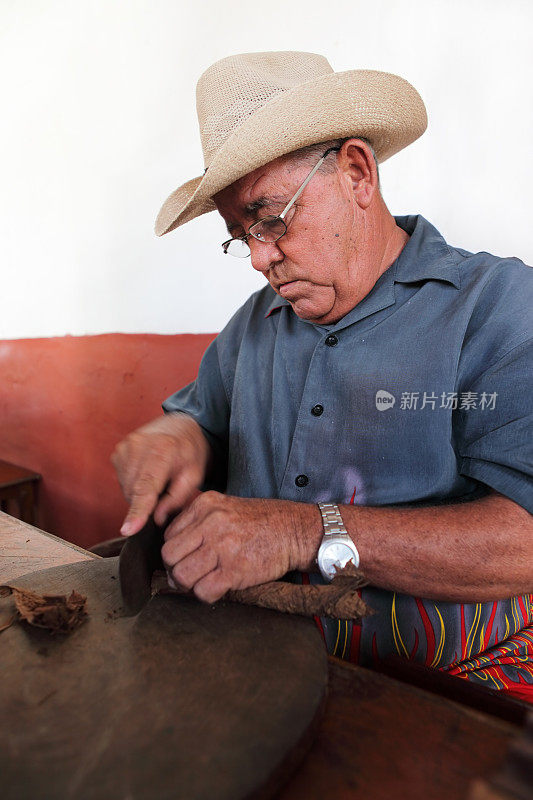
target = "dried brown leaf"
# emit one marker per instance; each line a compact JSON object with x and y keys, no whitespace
{"x":56,"y":613}
{"x":338,"y":599}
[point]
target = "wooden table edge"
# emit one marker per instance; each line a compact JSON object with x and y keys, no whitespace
{"x":25,"y":548}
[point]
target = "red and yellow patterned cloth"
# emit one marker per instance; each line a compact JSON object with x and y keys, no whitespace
{"x":488,"y":643}
{"x":507,"y":665}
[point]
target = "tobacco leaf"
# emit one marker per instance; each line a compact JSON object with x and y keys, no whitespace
{"x":338,"y":599}
{"x":55,"y":613}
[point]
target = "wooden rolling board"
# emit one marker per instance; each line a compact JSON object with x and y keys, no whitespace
{"x":183,"y":701}
{"x":24,"y":549}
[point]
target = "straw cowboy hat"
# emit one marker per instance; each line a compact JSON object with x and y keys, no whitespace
{"x":255,"y":107}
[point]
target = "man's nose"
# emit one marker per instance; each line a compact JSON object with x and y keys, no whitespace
{"x":264,"y":254}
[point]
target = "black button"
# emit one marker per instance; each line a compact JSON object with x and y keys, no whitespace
{"x":317,"y":410}
{"x":301,"y":481}
{"x":331,"y":340}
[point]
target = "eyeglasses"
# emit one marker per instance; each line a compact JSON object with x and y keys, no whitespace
{"x":271,"y":228}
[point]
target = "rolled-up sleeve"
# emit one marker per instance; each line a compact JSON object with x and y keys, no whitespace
{"x":205,"y":400}
{"x":494,"y":431}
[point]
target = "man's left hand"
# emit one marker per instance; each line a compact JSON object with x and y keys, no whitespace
{"x":221,"y":542}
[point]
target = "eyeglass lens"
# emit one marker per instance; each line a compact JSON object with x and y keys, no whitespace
{"x":268,"y":229}
{"x":238,"y":248}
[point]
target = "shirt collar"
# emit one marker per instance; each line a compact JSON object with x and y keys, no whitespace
{"x":426,"y":256}
{"x":277,"y":302}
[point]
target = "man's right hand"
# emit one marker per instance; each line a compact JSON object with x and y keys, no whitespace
{"x":170,"y":453}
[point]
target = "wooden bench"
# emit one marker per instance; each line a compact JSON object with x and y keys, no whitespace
{"x":18,"y":492}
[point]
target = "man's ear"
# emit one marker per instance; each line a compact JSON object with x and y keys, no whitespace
{"x":356,"y":161}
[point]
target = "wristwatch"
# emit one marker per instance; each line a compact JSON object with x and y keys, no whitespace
{"x":337,"y":547}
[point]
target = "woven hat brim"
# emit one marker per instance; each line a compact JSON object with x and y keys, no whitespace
{"x":382,"y":107}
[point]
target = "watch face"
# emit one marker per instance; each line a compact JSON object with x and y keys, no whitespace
{"x":334,"y":555}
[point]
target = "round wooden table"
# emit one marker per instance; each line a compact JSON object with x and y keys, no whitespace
{"x":378,"y":737}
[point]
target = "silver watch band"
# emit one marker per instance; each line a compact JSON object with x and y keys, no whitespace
{"x":331,"y":518}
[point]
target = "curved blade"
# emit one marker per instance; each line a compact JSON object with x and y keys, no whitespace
{"x":139,"y":558}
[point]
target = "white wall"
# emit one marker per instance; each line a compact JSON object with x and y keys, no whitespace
{"x":99,"y":125}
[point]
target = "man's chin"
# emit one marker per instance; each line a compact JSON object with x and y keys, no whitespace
{"x":306,"y":311}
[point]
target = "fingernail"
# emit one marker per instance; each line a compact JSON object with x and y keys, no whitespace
{"x":126,"y":529}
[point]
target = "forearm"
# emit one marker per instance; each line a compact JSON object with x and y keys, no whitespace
{"x":465,"y":552}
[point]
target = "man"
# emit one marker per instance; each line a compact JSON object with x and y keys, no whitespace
{"x":380,"y":374}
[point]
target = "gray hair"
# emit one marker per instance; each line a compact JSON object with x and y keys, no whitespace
{"x":312,"y":153}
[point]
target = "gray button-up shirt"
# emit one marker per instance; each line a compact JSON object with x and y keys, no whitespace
{"x":421,"y":394}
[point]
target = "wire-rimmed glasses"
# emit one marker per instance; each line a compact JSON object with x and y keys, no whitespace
{"x":270,"y":228}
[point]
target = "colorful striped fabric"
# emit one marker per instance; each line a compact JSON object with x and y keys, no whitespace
{"x":488,"y":643}
{"x":507,"y":666}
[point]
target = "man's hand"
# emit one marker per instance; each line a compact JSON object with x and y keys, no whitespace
{"x":169,"y":453}
{"x":221,"y":542}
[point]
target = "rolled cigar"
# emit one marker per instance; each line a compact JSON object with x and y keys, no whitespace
{"x":338,"y":599}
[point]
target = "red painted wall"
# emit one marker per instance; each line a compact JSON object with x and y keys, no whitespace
{"x":64,"y":404}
